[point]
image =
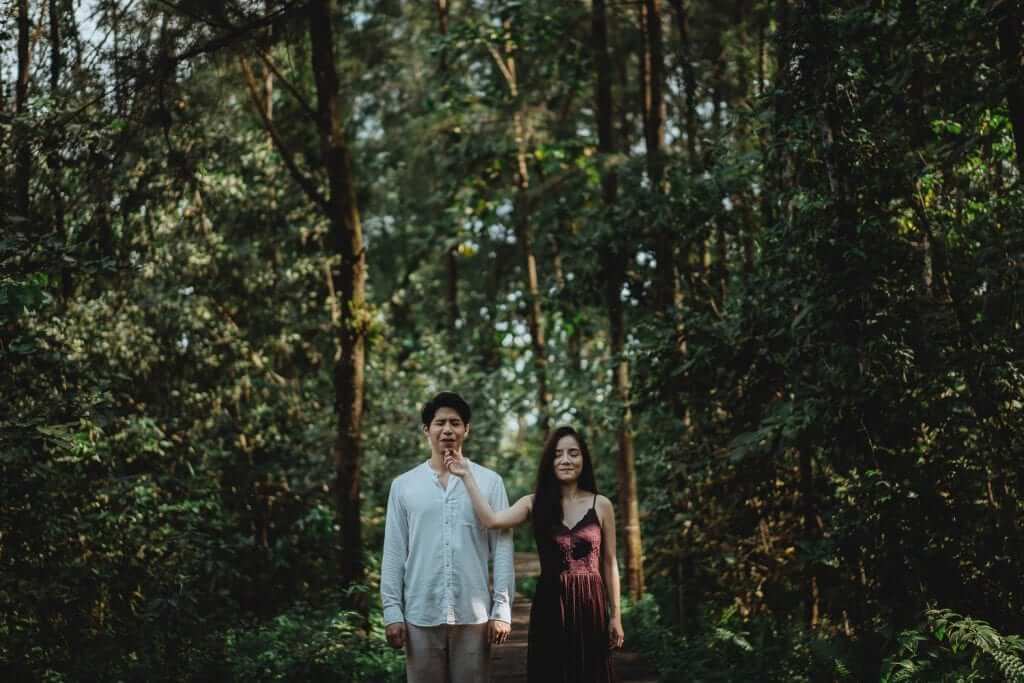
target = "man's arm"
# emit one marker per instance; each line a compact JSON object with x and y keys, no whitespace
{"x":392,"y":567}
{"x":500,"y":541}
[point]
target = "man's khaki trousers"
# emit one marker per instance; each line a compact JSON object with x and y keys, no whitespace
{"x":459,"y":653}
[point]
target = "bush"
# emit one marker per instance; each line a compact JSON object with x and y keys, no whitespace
{"x":313,"y":644}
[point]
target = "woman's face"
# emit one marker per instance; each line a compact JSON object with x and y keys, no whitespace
{"x":568,"y":459}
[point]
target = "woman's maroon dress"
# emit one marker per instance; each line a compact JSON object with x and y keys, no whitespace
{"x":568,"y":620}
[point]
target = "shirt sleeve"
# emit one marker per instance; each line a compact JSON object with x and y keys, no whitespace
{"x":500,"y":541}
{"x":396,"y":550}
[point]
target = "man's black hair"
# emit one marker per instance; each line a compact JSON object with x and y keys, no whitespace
{"x":446,"y":399}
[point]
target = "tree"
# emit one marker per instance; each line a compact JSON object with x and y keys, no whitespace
{"x":613,"y":263}
{"x":1010,"y":49}
{"x":23,"y":149}
{"x":505,"y":60}
{"x":348,"y":285}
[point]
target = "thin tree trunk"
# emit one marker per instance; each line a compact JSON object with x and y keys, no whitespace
{"x":613,"y":265}
{"x":668,"y":294}
{"x":348,"y":276}
{"x":23,"y":152}
{"x":913,"y":108}
{"x":689,"y":83}
{"x":442,"y":7}
{"x":781,"y":102}
{"x":451,"y":263}
{"x":720,"y":269}
{"x":809,"y":513}
{"x":764,"y":138}
{"x":652,"y":72}
{"x":748,"y":224}
{"x":761,"y":81}
{"x":625,"y":131}
{"x":699,"y":268}
{"x":776,"y":160}
{"x":1010,"y":47}
{"x":524,"y":235}
{"x":53,"y":157}
{"x":6,"y":182}
{"x":268,"y":73}
{"x":506,"y":63}
{"x":721,"y":265}
{"x":115,"y":31}
{"x":574,"y":343}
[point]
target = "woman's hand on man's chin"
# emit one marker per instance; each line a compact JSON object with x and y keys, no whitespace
{"x":455,"y":463}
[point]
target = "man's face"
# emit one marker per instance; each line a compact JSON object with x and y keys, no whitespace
{"x":446,"y":431}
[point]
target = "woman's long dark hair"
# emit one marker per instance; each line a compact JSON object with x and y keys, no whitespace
{"x":547,"y":496}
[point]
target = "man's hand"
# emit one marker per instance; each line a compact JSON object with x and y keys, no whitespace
{"x":455,"y":463}
{"x":395,"y":634}
{"x":498,"y":631}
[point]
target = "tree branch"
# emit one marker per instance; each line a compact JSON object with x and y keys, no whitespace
{"x":304,"y":181}
{"x":238,"y":33}
{"x":510,"y":79}
{"x":289,"y":86}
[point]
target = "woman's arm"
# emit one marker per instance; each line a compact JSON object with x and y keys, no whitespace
{"x":610,"y":570}
{"x":505,"y":519}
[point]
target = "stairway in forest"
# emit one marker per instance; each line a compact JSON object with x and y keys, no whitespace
{"x":508,"y":661}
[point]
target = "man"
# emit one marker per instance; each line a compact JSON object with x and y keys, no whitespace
{"x":433,"y":582}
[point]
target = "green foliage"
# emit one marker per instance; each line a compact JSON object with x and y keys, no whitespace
{"x":307,"y":644}
{"x":724,"y":647}
{"x":952,"y":647}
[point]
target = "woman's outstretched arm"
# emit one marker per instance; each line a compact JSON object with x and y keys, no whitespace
{"x":610,"y":570}
{"x":518,"y":513}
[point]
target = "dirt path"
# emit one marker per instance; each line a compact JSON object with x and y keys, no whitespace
{"x":508,"y":661}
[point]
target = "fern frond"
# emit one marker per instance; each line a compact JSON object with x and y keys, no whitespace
{"x":963,"y":632}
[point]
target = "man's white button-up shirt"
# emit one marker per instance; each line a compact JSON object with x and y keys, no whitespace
{"x":434,"y":568}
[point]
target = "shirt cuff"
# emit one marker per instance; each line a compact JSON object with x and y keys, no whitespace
{"x":501,"y":612}
{"x":393,"y":615}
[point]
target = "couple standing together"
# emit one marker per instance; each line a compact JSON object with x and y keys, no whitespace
{"x":447,"y":517}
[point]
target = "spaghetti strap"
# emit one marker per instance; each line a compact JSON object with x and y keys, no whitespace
{"x":594,"y":504}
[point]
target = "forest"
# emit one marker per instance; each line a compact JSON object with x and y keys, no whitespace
{"x":768,"y":255}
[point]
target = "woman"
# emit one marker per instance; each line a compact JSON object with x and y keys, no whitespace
{"x":571,"y":635}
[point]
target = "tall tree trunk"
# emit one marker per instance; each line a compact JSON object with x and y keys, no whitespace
{"x":506,"y":63}
{"x":689,"y":83}
{"x":23,"y":152}
{"x":652,"y":70}
{"x":613,"y":265}
{"x":720,"y":249}
{"x":776,"y":160}
{"x":524,"y":235}
{"x":912,"y":107}
{"x":747,"y":225}
{"x":668,"y":295}
{"x":114,"y":17}
{"x":621,"y":60}
{"x":348,"y":277}
{"x":574,"y":343}
{"x":53,"y":156}
{"x":442,"y":7}
{"x":1010,"y":47}
{"x":268,"y":73}
{"x":451,"y":263}
{"x":809,"y":512}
